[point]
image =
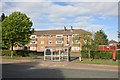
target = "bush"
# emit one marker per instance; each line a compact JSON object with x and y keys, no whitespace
{"x":98,"y":54}
{"x":23,"y":53}
{"x":95,"y":54}
{"x":106,"y":55}
{"x":84,"y":54}
{"x":8,"y":53}
{"x":118,"y":55}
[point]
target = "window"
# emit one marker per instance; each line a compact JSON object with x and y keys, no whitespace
{"x":42,"y":42}
{"x":59,"y":42}
{"x":49,"y":42}
{"x":42,"y":47}
{"x":41,"y":36}
{"x":75,"y":48}
{"x":33,"y":36}
{"x":59,"y":36}
{"x":76,"y":38}
{"x":33,"y":42}
{"x":32,"y":48}
{"x":49,"y":36}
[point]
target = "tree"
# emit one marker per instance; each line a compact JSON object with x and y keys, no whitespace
{"x":16,"y":29}
{"x":76,"y":38}
{"x":119,"y":36}
{"x":87,"y":43}
{"x":90,"y":44}
{"x":100,"y":38}
{"x":118,"y":45}
{"x":2,"y":17}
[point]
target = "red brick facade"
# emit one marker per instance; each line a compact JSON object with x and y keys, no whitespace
{"x":43,"y":38}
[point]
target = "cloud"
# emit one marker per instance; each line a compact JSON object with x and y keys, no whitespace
{"x":55,"y":12}
{"x":86,"y":0}
{"x":84,"y":19}
{"x":49,"y":15}
{"x":60,"y":0}
{"x":95,"y":8}
{"x":0,"y":6}
{"x":25,"y":0}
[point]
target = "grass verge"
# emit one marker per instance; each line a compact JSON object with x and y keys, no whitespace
{"x":100,"y":62}
{"x":13,"y":58}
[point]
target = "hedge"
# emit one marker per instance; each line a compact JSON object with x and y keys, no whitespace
{"x":100,"y":54}
{"x":23,"y":53}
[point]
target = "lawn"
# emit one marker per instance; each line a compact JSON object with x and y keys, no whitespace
{"x":99,"y":62}
{"x":20,"y":58}
{"x":13,"y":58}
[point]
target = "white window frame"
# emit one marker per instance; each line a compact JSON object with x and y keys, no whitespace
{"x":76,"y":48}
{"x":31,"y":42}
{"x":59,"y":43}
{"x":60,"y":36}
{"x":42,"y":36}
{"x":76,"y":40}
{"x":33,"y":48}
{"x":35,"y":36}
{"x":42,"y":48}
{"x":41,"y":42}
{"x":74,"y":34}
{"x":49,"y":36}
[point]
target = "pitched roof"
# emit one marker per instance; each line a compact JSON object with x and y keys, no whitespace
{"x":112,"y":41}
{"x":64,"y":32}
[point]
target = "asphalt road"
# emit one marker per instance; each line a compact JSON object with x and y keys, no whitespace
{"x":29,"y":70}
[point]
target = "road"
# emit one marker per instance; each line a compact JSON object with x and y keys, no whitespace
{"x":34,"y":70}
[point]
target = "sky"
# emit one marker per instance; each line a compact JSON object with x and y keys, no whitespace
{"x":90,"y":16}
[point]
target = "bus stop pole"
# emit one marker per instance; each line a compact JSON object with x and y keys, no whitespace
{"x":44,"y":53}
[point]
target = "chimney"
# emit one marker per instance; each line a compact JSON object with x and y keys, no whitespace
{"x":71,"y":29}
{"x":65,"y":28}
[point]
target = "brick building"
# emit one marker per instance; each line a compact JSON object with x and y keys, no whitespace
{"x":73,"y":37}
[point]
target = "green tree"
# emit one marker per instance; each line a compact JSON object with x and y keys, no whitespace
{"x":87,"y":43}
{"x":76,"y":38}
{"x":16,"y":29}
{"x":90,"y":45}
{"x":2,"y":17}
{"x":118,"y":45}
{"x":100,"y":38}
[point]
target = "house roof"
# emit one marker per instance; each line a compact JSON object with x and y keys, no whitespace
{"x":112,"y":41}
{"x":64,"y":32}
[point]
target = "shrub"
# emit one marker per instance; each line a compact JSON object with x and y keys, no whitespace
{"x":8,"y":53}
{"x":98,"y":54}
{"x":106,"y":55}
{"x":23,"y":53}
{"x":118,"y":55}
{"x":84,"y":54}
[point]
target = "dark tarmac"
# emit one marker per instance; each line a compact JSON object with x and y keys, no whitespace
{"x":47,"y":70}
